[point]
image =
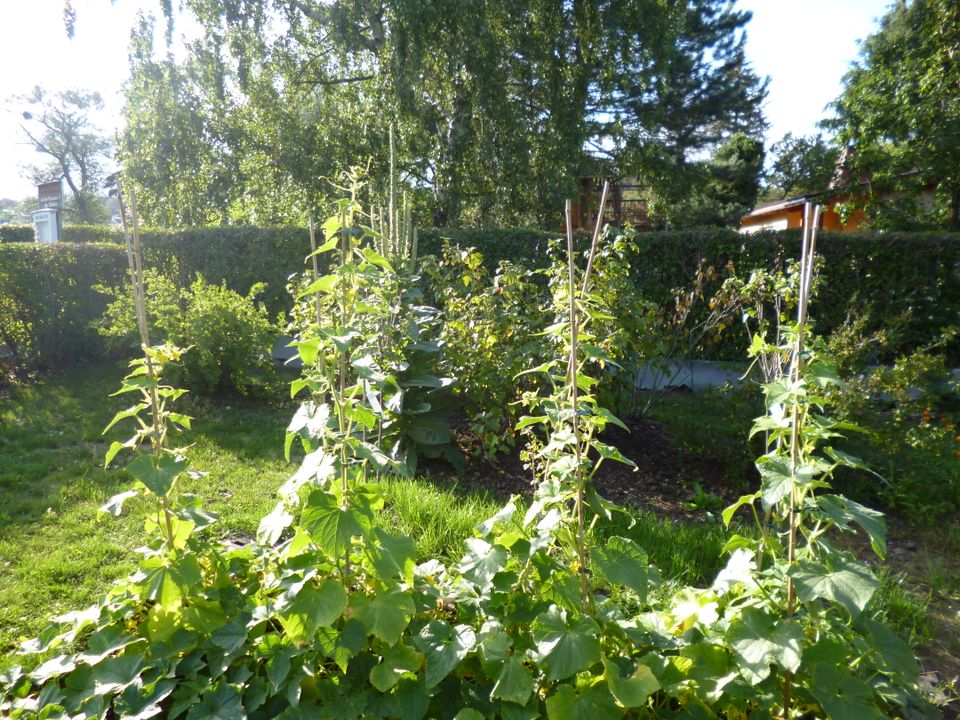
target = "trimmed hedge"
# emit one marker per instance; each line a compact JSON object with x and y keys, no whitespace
{"x":518,"y":245}
{"x":238,"y":256}
{"x":47,"y":301}
{"x":16,"y":233}
{"x":92,"y":234}
{"x":884,"y":274}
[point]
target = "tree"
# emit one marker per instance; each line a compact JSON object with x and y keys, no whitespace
{"x":700,"y":94}
{"x":176,"y":143}
{"x":900,"y":107}
{"x":801,"y":164}
{"x":59,"y":125}
{"x":726,"y":187}
{"x":495,"y":104}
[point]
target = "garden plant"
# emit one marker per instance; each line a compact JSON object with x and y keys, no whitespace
{"x":325,"y":614}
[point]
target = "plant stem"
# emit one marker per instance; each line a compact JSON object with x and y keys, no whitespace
{"x":810,"y":220}
{"x":342,"y":379}
{"x":135,"y":261}
{"x":572,"y":384}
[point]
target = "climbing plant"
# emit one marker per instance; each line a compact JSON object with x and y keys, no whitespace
{"x":327,"y":615}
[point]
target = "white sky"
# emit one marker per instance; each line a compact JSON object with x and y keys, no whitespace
{"x":804,"y":46}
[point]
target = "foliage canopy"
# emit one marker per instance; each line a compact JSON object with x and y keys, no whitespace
{"x":900,"y":108}
{"x":499,"y":107}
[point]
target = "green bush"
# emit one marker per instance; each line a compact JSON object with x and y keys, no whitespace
{"x":240,"y":257}
{"x":909,"y":412}
{"x":911,"y":277}
{"x":229,"y":335}
{"x":92,"y":233}
{"x":492,"y":327}
{"x":16,"y":233}
{"x":48,"y":301}
{"x":518,"y":245}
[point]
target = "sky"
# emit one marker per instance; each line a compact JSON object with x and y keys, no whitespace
{"x":803,"y":46}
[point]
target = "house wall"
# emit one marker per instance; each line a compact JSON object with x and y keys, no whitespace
{"x":793,"y":216}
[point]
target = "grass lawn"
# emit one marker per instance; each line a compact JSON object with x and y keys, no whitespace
{"x":57,"y":555}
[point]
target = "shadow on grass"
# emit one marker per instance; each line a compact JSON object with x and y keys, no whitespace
{"x":50,"y":440}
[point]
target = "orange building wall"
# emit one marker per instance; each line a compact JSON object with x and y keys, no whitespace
{"x":829,"y":219}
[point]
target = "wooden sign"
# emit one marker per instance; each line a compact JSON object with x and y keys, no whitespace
{"x":50,"y":195}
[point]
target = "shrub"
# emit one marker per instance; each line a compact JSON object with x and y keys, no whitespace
{"x":16,"y":233}
{"x":491,"y":327}
{"x":48,"y":301}
{"x":238,"y":257}
{"x":909,"y":411}
{"x":230,"y":336}
{"x":92,"y":233}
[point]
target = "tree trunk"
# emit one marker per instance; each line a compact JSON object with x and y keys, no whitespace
{"x":955,"y":209}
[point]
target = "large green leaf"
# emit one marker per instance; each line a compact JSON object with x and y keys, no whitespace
{"x":313,"y":608}
{"x":139,"y":702}
{"x":168,"y":579}
{"x":758,"y":641}
{"x":56,"y":666}
{"x":224,"y":702}
{"x":330,"y":525}
{"x":844,"y":511}
{"x":623,"y":562}
{"x":386,"y":615}
{"x":321,"y":285}
{"x":777,"y":481}
{"x":429,"y":430}
{"x":514,"y":683}
{"x":273,"y":524}
{"x":892,"y":652}
{"x":116,"y":673}
{"x":564,"y":647}
{"x":632,"y":690}
{"x":132,"y":411}
{"x":157,"y":473}
{"x":393,"y":556}
{"x":445,"y":647}
{"x":848,"y":582}
{"x":841,"y":695}
{"x":728,"y":512}
{"x":593,"y":703}
{"x":739,"y":570}
{"x":482,"y":561}
{"x":397,"y":661}
{"x":231,"y":636}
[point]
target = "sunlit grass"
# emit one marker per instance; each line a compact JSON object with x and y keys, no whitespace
{"x":56,"y":554}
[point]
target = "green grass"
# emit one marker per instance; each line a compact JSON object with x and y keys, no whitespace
{"x":55,"y":552}
{"x":57,"y":555}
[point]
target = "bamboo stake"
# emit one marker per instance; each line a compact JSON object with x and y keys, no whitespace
{"x":391,"y":216}
{"x":572,"y":381}
{"x":596,"y":236}
{"x":135,"y":262}
{"x":811,"y":218}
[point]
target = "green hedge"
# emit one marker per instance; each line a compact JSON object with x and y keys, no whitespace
{"x":92,"y":234}
{"x":48,"y":302}
{"x":237,"y":256}
{"x":515,"y":244}
{"x":884,"y":274}
{"x":16,"y":233}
